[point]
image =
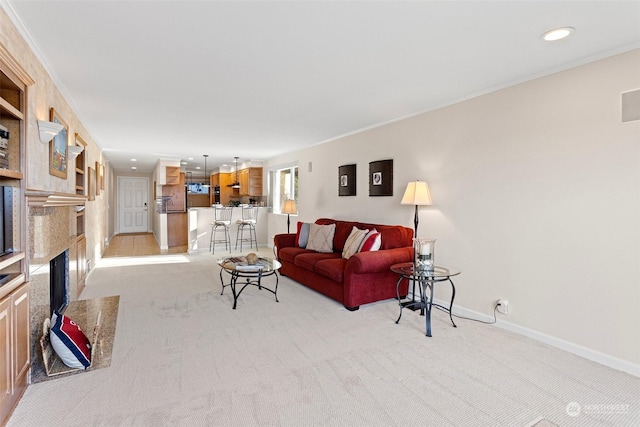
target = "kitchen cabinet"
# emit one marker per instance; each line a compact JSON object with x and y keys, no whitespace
{"x":173,"y":175}
{"x":177,"y":232}
{"x":175,"y":195}
{"x":255,"y":182}
{"x":226,"y":179}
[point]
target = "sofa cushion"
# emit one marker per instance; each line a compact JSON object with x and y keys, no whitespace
{"x":321,"y":237}
{"x":371,"y":242}
{"x":308,"y":260}
{"x":290,"y":252}
{"x":353,"y":242}
{"x":332,"y":268}
{"x":302,"y":234}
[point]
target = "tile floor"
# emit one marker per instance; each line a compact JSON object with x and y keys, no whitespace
{"x":137,"y":244}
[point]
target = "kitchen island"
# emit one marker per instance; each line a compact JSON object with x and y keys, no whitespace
{"x":199,"y":229}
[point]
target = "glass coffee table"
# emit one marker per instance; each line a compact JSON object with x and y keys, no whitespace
{"x":425,"y":280}
{"x":237,"y":268}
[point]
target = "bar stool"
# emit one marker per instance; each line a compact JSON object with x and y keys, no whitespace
{"x":247,"y":225}
{"x":221,"y":222}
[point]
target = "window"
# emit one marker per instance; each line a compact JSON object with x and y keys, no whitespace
{"x":283,"y":185}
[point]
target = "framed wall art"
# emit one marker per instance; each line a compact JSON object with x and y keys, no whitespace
{"x":58,"y":154}
{"x":92,"y":183}
{"x":381,"y":178}
{"x":347,"y":180}
{"x":98,"y":178}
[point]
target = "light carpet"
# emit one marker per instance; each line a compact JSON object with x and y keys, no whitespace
{"x":182,"y":356}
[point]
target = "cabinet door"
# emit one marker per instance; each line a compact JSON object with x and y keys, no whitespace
{"x":173,"y":175}
{"x":255,"y":182}
{"x":21,"y":337}
{"x":243,"y":178}
{"x":5,"y":358}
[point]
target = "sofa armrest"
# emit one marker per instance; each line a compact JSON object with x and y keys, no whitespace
{"x":284,"y":240}
{"x":378,"y":261}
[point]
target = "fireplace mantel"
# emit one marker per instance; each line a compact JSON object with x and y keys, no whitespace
{"x":47,"y":198}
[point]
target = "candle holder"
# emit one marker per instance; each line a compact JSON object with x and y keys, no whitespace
{"x":423,"y":249}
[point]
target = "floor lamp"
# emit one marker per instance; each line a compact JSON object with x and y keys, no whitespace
{"x":417,"y":194}
{"x":289,"y":207}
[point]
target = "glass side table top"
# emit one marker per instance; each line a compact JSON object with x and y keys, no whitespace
{"x":406,"y":269}
{"x":240,"y":265}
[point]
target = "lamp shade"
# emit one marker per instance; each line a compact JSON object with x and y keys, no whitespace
{"x":48,"y":130}
{"x":417,"y":193}
{"x":74,"y":151}
{"x":289,"y":207}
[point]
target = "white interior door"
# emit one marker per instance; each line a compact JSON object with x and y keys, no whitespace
{"x":133,"y":201}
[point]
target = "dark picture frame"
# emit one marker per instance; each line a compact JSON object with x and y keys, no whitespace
{"x":58,"y":151}
{"x":347,"y":180}
{"x":381,"y":178}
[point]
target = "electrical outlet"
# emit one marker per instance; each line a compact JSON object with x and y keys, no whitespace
{"x":503,"y":306}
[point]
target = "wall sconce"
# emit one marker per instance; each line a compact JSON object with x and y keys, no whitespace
{"x":48,"y":130}
{"x":289,"y":207}
{"x":74,"y":151}
{"x":418,"y":194}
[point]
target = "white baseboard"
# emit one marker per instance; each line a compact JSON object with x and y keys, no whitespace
{"x":587,"y":353}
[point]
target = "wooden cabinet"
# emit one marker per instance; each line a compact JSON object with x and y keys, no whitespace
{"x":15,"y":335}
{"x":177,"y":227}
{"x":15,"y":355}
{"x":243,"y":179}
{"x":175,"y":194}
{"x":255,"y":182}
{"x":250,"y":182}
{"x":173,"y":175}
{"x":214,"y":179}
{"x":226,"y":179}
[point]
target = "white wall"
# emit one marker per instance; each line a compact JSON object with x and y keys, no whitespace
{"x":537,"y":200}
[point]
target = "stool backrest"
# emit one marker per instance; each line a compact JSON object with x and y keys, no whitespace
{"x":250,"y":213}
{"x":223,"y":213}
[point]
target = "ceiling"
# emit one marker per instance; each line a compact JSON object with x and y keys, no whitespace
{"x":179,"y":79}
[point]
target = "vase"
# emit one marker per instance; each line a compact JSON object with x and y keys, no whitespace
{"x":423,"y":249}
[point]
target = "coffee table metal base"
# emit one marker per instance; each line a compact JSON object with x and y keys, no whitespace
{"x":249,"y":278}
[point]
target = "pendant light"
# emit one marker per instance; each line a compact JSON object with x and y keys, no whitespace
{"x":236,"y":183}
{"x":206,"y":178}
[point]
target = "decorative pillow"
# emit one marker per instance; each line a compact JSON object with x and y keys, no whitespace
{"x":353,"y":242}
{"x":321,"y":237}
{"x":371,"y":242}
{"x":302,"y":236}
{"x":69,"y":342}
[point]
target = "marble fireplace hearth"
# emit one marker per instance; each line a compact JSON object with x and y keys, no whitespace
{"x":52,"y":230}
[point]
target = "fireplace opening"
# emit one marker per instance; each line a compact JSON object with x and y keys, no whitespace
{"x":59,"y":283}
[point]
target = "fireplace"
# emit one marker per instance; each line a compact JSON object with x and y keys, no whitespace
{"x":59,"y":283}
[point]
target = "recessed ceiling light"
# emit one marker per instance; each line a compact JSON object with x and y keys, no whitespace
{"x":557,"y":34}
{"x":198,"y":167}
{"x":134,"y":160}
{"x":190,"y":158}
{"x":184,"y":163}
{"x":133,"y":168}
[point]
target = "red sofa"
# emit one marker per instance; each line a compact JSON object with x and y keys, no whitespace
{"x":363,"y":278}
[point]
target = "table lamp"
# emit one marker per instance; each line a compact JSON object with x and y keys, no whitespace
{"x":417,"y":194}
{"x":289,"y":207}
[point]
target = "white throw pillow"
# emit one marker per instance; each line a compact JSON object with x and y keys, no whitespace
{"x":353,"y":242}
{"x":321,"y":237}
